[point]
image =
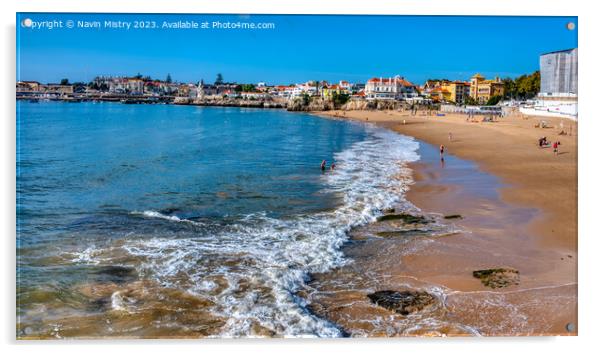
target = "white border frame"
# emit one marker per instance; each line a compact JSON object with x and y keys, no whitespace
{"x":589,"y":192}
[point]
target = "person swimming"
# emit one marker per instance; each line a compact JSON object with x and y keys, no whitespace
{"x":323,"y":165}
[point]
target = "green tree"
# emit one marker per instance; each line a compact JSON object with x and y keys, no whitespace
{"x":306,"y":99}
{"x":468,"y":100}
{"x":527,"y":86}
{"x":168,"y":79}
{"x":248,"y":87}
{"x":219,"y":79}
{"x":509,"y":88}
{"x":65,"y":81}
{"x":79,"y":87}
{"x":339,"y":99}
{"x":493,"y":100}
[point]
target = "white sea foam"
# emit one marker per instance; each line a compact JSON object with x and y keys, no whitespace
{"x":268,"y":258}
{"x":155,"y":214}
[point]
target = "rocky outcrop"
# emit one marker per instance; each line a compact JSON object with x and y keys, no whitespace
{"x":362,"y":104}
{"x":402,"y":233}
{"x":182,"y":100}
{"x":237,"y":102}
{"x":498,"y":277}
{"x":308,"y":105}
{"x":403,"y":303}
{"x":405,"y":217}
{"x":453,"y":216}
{"x":115,"y":274}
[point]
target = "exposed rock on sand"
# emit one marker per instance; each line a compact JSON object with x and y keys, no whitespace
{"x":498,"y":277}
{"x":403,"y":303}
{"x":402,"y":233}
{"x":453,"y":216}
{"x":405,"y":217}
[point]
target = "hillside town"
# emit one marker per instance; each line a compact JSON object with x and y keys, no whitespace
{"x":376,"y":88}
{"x":557,"y":69}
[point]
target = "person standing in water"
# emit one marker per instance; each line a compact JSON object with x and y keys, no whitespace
{"x":323,"y":165}
{"x":441,"y":151}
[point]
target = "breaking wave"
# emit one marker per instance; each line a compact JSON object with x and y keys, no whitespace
{"x":251,"y":269}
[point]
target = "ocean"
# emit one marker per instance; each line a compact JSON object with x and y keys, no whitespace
{"x":183,"y":221}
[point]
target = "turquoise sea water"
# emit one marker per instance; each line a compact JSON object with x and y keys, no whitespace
{"x":131,"y":217}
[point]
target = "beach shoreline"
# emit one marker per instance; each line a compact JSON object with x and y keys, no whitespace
{"x":530,"y":223}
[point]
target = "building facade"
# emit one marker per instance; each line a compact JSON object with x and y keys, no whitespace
{"x":28,"y":86}
{"x":558,"y":92}
{"x":482,"y":89}
{"x":395,"y":88}
{"x":558,"y":73}
{"x":455,"y":91}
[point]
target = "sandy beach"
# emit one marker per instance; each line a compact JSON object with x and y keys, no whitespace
{"x":527,"y":222}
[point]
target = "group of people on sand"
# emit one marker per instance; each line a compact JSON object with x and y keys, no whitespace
{"x":543,"y":142}
{"x":323,"y":165}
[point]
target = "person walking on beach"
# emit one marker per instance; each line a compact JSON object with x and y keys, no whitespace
{"x":323,"y":165}
{"x":450,"y":136}
{"x":556,"y":147}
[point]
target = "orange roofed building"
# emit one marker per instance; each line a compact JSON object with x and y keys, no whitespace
{"x":481,"y":89}
{"x":393,"y":88}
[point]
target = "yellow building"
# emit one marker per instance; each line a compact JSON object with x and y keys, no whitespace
{"x":28,"y":86}
{"x":481,"y":89}
{"x":329,"y":91}
{"x":455,"y":91}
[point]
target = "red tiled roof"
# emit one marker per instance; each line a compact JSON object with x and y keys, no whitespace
{"x":388,"y":81}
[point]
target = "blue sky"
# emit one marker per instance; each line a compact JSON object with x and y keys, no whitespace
{"x":298,"y":49}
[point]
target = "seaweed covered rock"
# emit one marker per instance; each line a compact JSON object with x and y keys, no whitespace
{"x":453,"y":216}
{"x":403,"y":303}
{"x":115,"y":274}
{"x":405,"y":217}
{"x":402,"y":233}
{"x":498,"y":277}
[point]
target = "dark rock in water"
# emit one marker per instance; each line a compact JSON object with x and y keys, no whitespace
{"x":406,"y":218}
{"x":170,"y":210}
{"x":389,"y":210}
{"x":453,"y":216}
{"x":498,"y":277}
{"x":117,"y":274}
{"x":403,"y":303}
{"x":401,"y":233}
{"x":100,"y":304}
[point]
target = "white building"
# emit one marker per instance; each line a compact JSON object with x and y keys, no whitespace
{"x":558,"y":92}
{"x":558,"y":72}
{"x":254,"y":95}
{"x":392,"y":88}
{"x":304,"y":88}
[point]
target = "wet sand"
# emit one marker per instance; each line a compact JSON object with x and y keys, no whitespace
{"x":519,"y":209}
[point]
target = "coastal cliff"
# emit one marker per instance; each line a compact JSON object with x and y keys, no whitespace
{"x":230,"y":102}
